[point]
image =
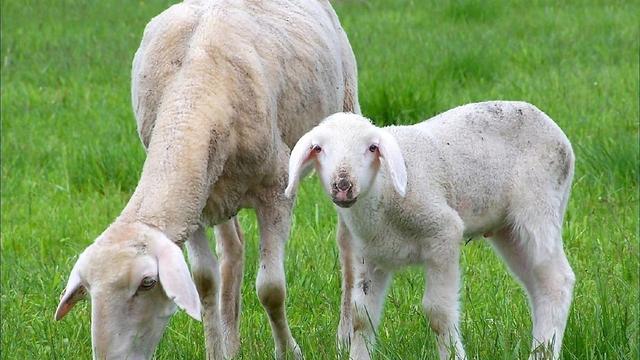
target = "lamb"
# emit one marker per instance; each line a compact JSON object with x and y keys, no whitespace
{"x":221,"y":91}
{"x":408,"y":195}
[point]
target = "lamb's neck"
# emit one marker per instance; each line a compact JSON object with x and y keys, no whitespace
{"x":186,"y":156}
{"x":368,"y":211}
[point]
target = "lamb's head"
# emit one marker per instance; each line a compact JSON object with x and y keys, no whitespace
{"x":347,"y":151}
{"x":135,"y":276}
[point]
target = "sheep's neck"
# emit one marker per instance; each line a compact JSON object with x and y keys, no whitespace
{"x":185,"y":157}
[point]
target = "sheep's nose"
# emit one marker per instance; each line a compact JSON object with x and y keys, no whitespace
{"x":343,"y":184}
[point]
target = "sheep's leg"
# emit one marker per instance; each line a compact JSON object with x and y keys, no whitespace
{"x":368,"y":300}
{"x":350,"y":103}
{"x":207,"y":278}
{"x":345,"y":327}
{"x":231,"y":253}
{"x":545,"y":272}
{"x":275,"y":221}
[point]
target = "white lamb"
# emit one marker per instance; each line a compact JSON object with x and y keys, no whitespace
{"x":499,"y":169}
{"x":221,"y":91}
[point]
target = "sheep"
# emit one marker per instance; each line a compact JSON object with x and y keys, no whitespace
{"x":408,"y":195}
{"x":221,"y":91}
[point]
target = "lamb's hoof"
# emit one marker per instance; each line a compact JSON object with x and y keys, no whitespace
{"x":345,"y":334}
{"x":344,"y":344}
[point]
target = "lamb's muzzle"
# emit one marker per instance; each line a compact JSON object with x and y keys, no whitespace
{"x":342,"y":191}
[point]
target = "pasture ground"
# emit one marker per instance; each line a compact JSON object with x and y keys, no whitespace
{"x":71,"y":159}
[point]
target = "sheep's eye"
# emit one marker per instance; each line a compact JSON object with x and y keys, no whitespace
{"x":373,"y":148}
{"x":147,"y":283}
{"x":317,"y":148}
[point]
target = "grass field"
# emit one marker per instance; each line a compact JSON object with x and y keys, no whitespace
{"x":71,"y":159}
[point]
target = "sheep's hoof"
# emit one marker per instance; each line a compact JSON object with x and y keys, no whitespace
{"x":292,"y":348}
{"x":231,"y":346}
{"x":297,"y":352}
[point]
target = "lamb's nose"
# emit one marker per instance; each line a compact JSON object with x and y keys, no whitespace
{"x":343,"y":184}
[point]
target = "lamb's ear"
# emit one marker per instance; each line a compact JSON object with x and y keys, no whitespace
{"x":73,"y":293}
{"x":298,"y":161}
{"x":390,"y":152}
{"x":174,"y":276}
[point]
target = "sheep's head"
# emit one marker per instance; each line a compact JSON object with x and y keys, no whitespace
{"x":135,"y":276}
{"x":347,"y":151}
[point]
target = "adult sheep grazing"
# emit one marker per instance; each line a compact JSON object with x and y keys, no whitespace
{"x":221,"y":91}
{"x":409,"y":194}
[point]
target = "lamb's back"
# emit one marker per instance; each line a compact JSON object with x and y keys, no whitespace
{"x":474,"y":155}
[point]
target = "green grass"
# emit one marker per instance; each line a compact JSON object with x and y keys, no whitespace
{"x":71,"y":159}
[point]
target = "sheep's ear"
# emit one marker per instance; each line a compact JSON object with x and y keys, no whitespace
{"x":390,"y":152}
{"x":174,"y":276}
{"x":73,"y":293}
{"x":298,"y":161}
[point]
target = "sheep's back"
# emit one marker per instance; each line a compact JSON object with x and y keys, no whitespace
{"x":278,"y":62}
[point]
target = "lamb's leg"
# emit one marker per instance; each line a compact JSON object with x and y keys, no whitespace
{"x":231,"y":253}
{"x":441,"y":303}
{"x":441,"y":298}
{"x":542,"y":267}
{"x":368,"y":300}
{"x":345,"y":327}
{"x":207,"y":278}
{"x":275,"y":220}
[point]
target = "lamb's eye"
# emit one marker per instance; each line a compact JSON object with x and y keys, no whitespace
{"x":373,"y":148}
{"x":147,"y":283}
{"x":317,"y":148}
